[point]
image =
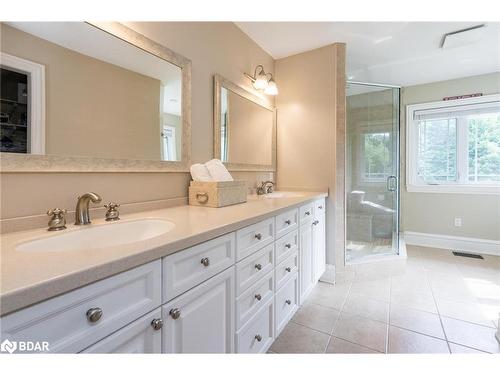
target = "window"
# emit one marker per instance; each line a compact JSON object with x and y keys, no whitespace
{"x":376,"y":157}
{"x":454,"y":146}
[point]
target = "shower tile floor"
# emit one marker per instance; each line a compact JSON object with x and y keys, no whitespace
{"x":357,"y":251}
{"x":431,"y":302}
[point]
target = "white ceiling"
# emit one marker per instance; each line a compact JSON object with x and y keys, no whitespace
{"x":396,"y":53}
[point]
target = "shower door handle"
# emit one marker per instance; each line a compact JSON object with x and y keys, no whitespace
{"x":392,"y":183}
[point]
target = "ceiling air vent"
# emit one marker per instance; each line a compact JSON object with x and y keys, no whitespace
{"x":462,"y":37}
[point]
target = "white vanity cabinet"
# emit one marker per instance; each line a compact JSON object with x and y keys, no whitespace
{"x":233,"y":293}
{"x":202,"y":319}
{"x":140,"y":336}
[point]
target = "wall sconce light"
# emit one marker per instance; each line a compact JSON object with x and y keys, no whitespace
{"x":260,"y":81}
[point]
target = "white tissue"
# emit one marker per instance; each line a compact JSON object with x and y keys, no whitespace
{"x":218,"y":171}
{"x":199,"y":172}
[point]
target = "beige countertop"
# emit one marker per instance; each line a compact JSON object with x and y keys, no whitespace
{"x":30,"y":277}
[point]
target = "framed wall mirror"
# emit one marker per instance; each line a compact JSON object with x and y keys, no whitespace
{"x":244,"y":128}
{"x":96,"y":97}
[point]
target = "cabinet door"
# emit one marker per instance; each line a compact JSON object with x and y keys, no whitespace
{"x":139,"y":336}
{"x":319,"y":246}
{"x":306,"y":269}
{"x":202,"y":319}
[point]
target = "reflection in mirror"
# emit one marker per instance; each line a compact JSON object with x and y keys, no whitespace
{"x":244,"y":128}
{"x":71,"y":89}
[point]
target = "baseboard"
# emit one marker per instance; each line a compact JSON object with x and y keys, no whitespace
{"x":329,"y":274}
{"x":473,"y":245}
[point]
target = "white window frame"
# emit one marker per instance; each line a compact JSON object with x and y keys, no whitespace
{"x":36,"y":87}
{"x":413,"y":183}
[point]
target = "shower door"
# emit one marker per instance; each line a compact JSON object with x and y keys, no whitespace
{"x":372,"y":171}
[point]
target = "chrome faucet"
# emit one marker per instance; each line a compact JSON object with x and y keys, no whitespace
{"x":265,"y":188}
{"x":82,"y":207}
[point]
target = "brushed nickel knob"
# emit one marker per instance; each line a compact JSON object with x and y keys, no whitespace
{"x":288,"y":246}
{"x":94,"y":314}
{"x":288,"y":269}
{"x":157,"y":324}
{"x":288,"y":302}
{"x":175,"y":313}
{"x":258,"y":297}
{"x":258,"y":236}
{"x":288,"y":222}
{"x":205,"y":262}
{"x":258,"y":338}
{"x":320,"y":207}
{"x":315,"y":222}
{"x":258,"y":266}
{"x":307,"y":213}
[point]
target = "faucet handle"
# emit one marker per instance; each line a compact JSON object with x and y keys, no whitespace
{"x":112,"y":212}
{"x":57,"y":219}
{"x":56,"y":212}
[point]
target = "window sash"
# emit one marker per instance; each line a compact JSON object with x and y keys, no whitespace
{"x":464,"y":108}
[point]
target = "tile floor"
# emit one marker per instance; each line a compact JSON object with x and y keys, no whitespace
{"x":431,"y":302}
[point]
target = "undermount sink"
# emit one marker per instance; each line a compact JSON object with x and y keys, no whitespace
{"x":283,"y":194}
{"x":99,"y":236}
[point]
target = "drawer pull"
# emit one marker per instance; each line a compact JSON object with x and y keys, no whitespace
{"x":315,"y":222}
{"x":205,"y":262}
{"x":258,"y":266}
{"x":258,"y":236}
{"x":288,"y":302}
{"x":175,"y":313}
{"x":94,"y":314}
{"x":308,"y":213}
{"x":258,"y":338}
{"x":258,"y":297}
{"x":320,"y":207}
{"x":157,"y":324}
{"x":288,"y":246}
{"x":288,"y":222}
{"x":288,"y":269}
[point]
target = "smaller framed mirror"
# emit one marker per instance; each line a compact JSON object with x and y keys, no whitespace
{"x":244,"y":128}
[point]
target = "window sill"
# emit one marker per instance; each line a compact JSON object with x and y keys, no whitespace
{"x":454,"y":189}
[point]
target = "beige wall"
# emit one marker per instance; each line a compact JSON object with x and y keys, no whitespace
{"x":435,"y":213}
{"x":213,"y":48}
{"x":307,"y":125}
{"x":93,"y":108}
{"x":250,"y":130}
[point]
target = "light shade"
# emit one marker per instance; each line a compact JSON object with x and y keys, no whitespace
{"x":271,"y":88}
{"x":260,"y":82}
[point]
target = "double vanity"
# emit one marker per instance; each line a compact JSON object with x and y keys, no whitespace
{"x":176,"y":280}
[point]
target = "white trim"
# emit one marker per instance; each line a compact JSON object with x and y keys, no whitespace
{"x":36,"y":86}
{"x":441,"y":241}
{"x":412,"y":183}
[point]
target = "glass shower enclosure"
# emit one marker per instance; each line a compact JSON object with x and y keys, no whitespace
{"x":372,"y":172}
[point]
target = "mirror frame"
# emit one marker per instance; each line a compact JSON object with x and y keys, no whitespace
{"x":11,"y":162}
{"x":219,"y":83}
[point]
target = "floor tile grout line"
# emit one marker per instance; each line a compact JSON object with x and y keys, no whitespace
{"x":440,"y":319}
{"x":358,"y":344}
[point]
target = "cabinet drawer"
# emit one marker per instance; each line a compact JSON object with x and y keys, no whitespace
{"x":188,"y":268}
{"x":254,"y":298}
{"x":286,"y":222}
{"x":285,"y":246}
{"x":253,"y":238}
{"x":319,"y":206}
{"x":287,"y":302}
{"x":257,"y":335}
{"x":137,"y":337}
{"x":62,"y":321}
{"x":306,"y":213}
{"x":286,"y":268}
{"x":252,"y":269}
